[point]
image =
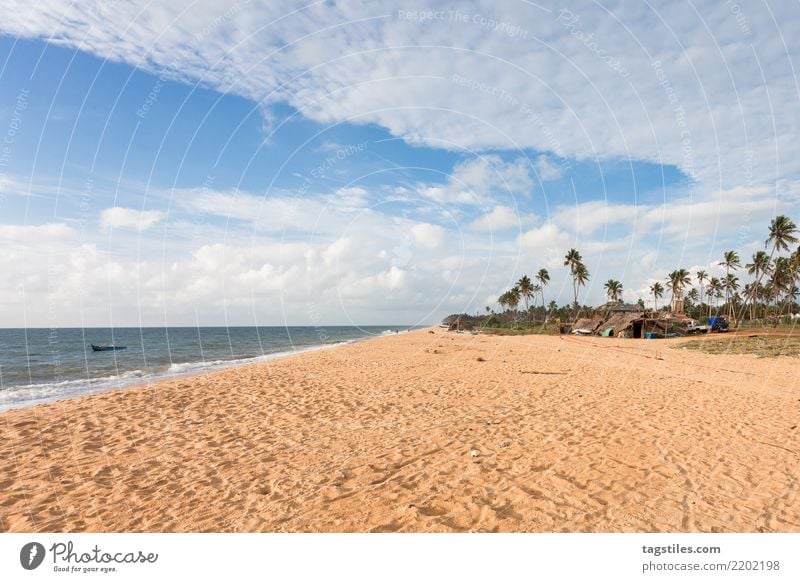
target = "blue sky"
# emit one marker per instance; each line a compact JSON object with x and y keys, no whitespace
{"x":227,"y":166}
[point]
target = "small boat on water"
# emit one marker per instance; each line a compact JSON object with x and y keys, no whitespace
{"x":107,"y":348}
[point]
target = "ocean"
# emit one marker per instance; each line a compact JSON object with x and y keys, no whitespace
{"x":43,"y":365}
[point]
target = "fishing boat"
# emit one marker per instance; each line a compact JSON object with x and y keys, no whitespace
{"x":107,"y":348}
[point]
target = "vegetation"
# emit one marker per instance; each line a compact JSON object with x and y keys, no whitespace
{"x":657,"y":289}
{"x":764,"y":346}
{"x":766,"y":300}
{"x":613,"y":290}
{"x":578,"y":271}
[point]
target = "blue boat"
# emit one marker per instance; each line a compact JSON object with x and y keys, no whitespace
{"x":107,"y":348}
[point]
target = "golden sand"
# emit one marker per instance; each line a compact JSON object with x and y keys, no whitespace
{"x":423,"y":432}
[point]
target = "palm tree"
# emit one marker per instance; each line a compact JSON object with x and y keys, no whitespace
{"x":791,"y":295}
{"x":503,"y":301}
{"x":581,"y":277}
{"x":730,"y":262}
{"x":613,"y":289}
{"x":536,"y":290}
{"x":514,"y":296}
{"x":543,"y":278}
{"x":525,"y":287}
{"x":701,"y":277}
{"x":657,"y":289}
{"x":731,"y":284}
{"x":573,"y":260}
{"x":692,"y":296}
{"x":715,"y":291}
{"x":782,"y":233}
{"x":578,"y":270}
{"x":782,"y":281}
{"x":792,"y":273}
{"x":758,"y":267}
{"x":677,"y":280}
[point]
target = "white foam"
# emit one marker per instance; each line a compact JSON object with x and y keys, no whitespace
{"x":31,"y":394}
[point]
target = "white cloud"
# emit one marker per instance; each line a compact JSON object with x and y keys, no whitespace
{"x":36,"y":234}
{"x":547,"y":236}
{"x":481,"y":180}
{"x":719,"y":102}
{"x":351,"y":197}
{"x":429,"y":236}
{"x":129,"y":218}
{"x":500,"y":218}
{"x":588,"y":217}
{"x":707,"y":102}
{"x":547,"y":169}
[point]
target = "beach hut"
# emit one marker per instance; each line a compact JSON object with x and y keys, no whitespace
{"x":623,"y":324}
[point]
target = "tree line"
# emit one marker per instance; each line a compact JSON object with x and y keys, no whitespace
{"x":772,"y":292}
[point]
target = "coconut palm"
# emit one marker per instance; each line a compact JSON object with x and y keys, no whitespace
{"x":579,"y":272}
{"x":613,"y":289}
{"x":793,"y":268}
{"x":791,"y":295}
{"x":714,"y":291}
{"x":514,"y":297}
{"x":503,"y":301}
{"x":782,"y":233}
{"x":572,"y":258}
{"x":543,"y":278}
{"x":757,"y":268}
{"x":782,"y":280}
{"x":537,"y":290}
{"x":525,"y":286}
{"x":657,"y":289}
{"x":731,"y":285}
{"x":678,"y":279}
{"x":701,"y":277}
{"x":731,"y":262}
{"x":581,"y":276}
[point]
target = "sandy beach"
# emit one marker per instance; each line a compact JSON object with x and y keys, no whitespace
{"x":432,"y":432}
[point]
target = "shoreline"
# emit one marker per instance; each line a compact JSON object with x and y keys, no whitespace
{"x":422,"y":432}
{"x":119,"y":382}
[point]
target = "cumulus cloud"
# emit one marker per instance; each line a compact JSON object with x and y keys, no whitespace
{"x":429,"y":236}
{"x":588,"y":217}
{"x":129,"y":218}
{"x":482,"y":179}
{"x":547,"y":236}
{"x":499,"y":218}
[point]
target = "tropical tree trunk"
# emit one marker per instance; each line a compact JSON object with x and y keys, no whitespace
{"x":575,"y":295}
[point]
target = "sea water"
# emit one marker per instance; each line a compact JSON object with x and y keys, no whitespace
{"x":42,"y":365}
